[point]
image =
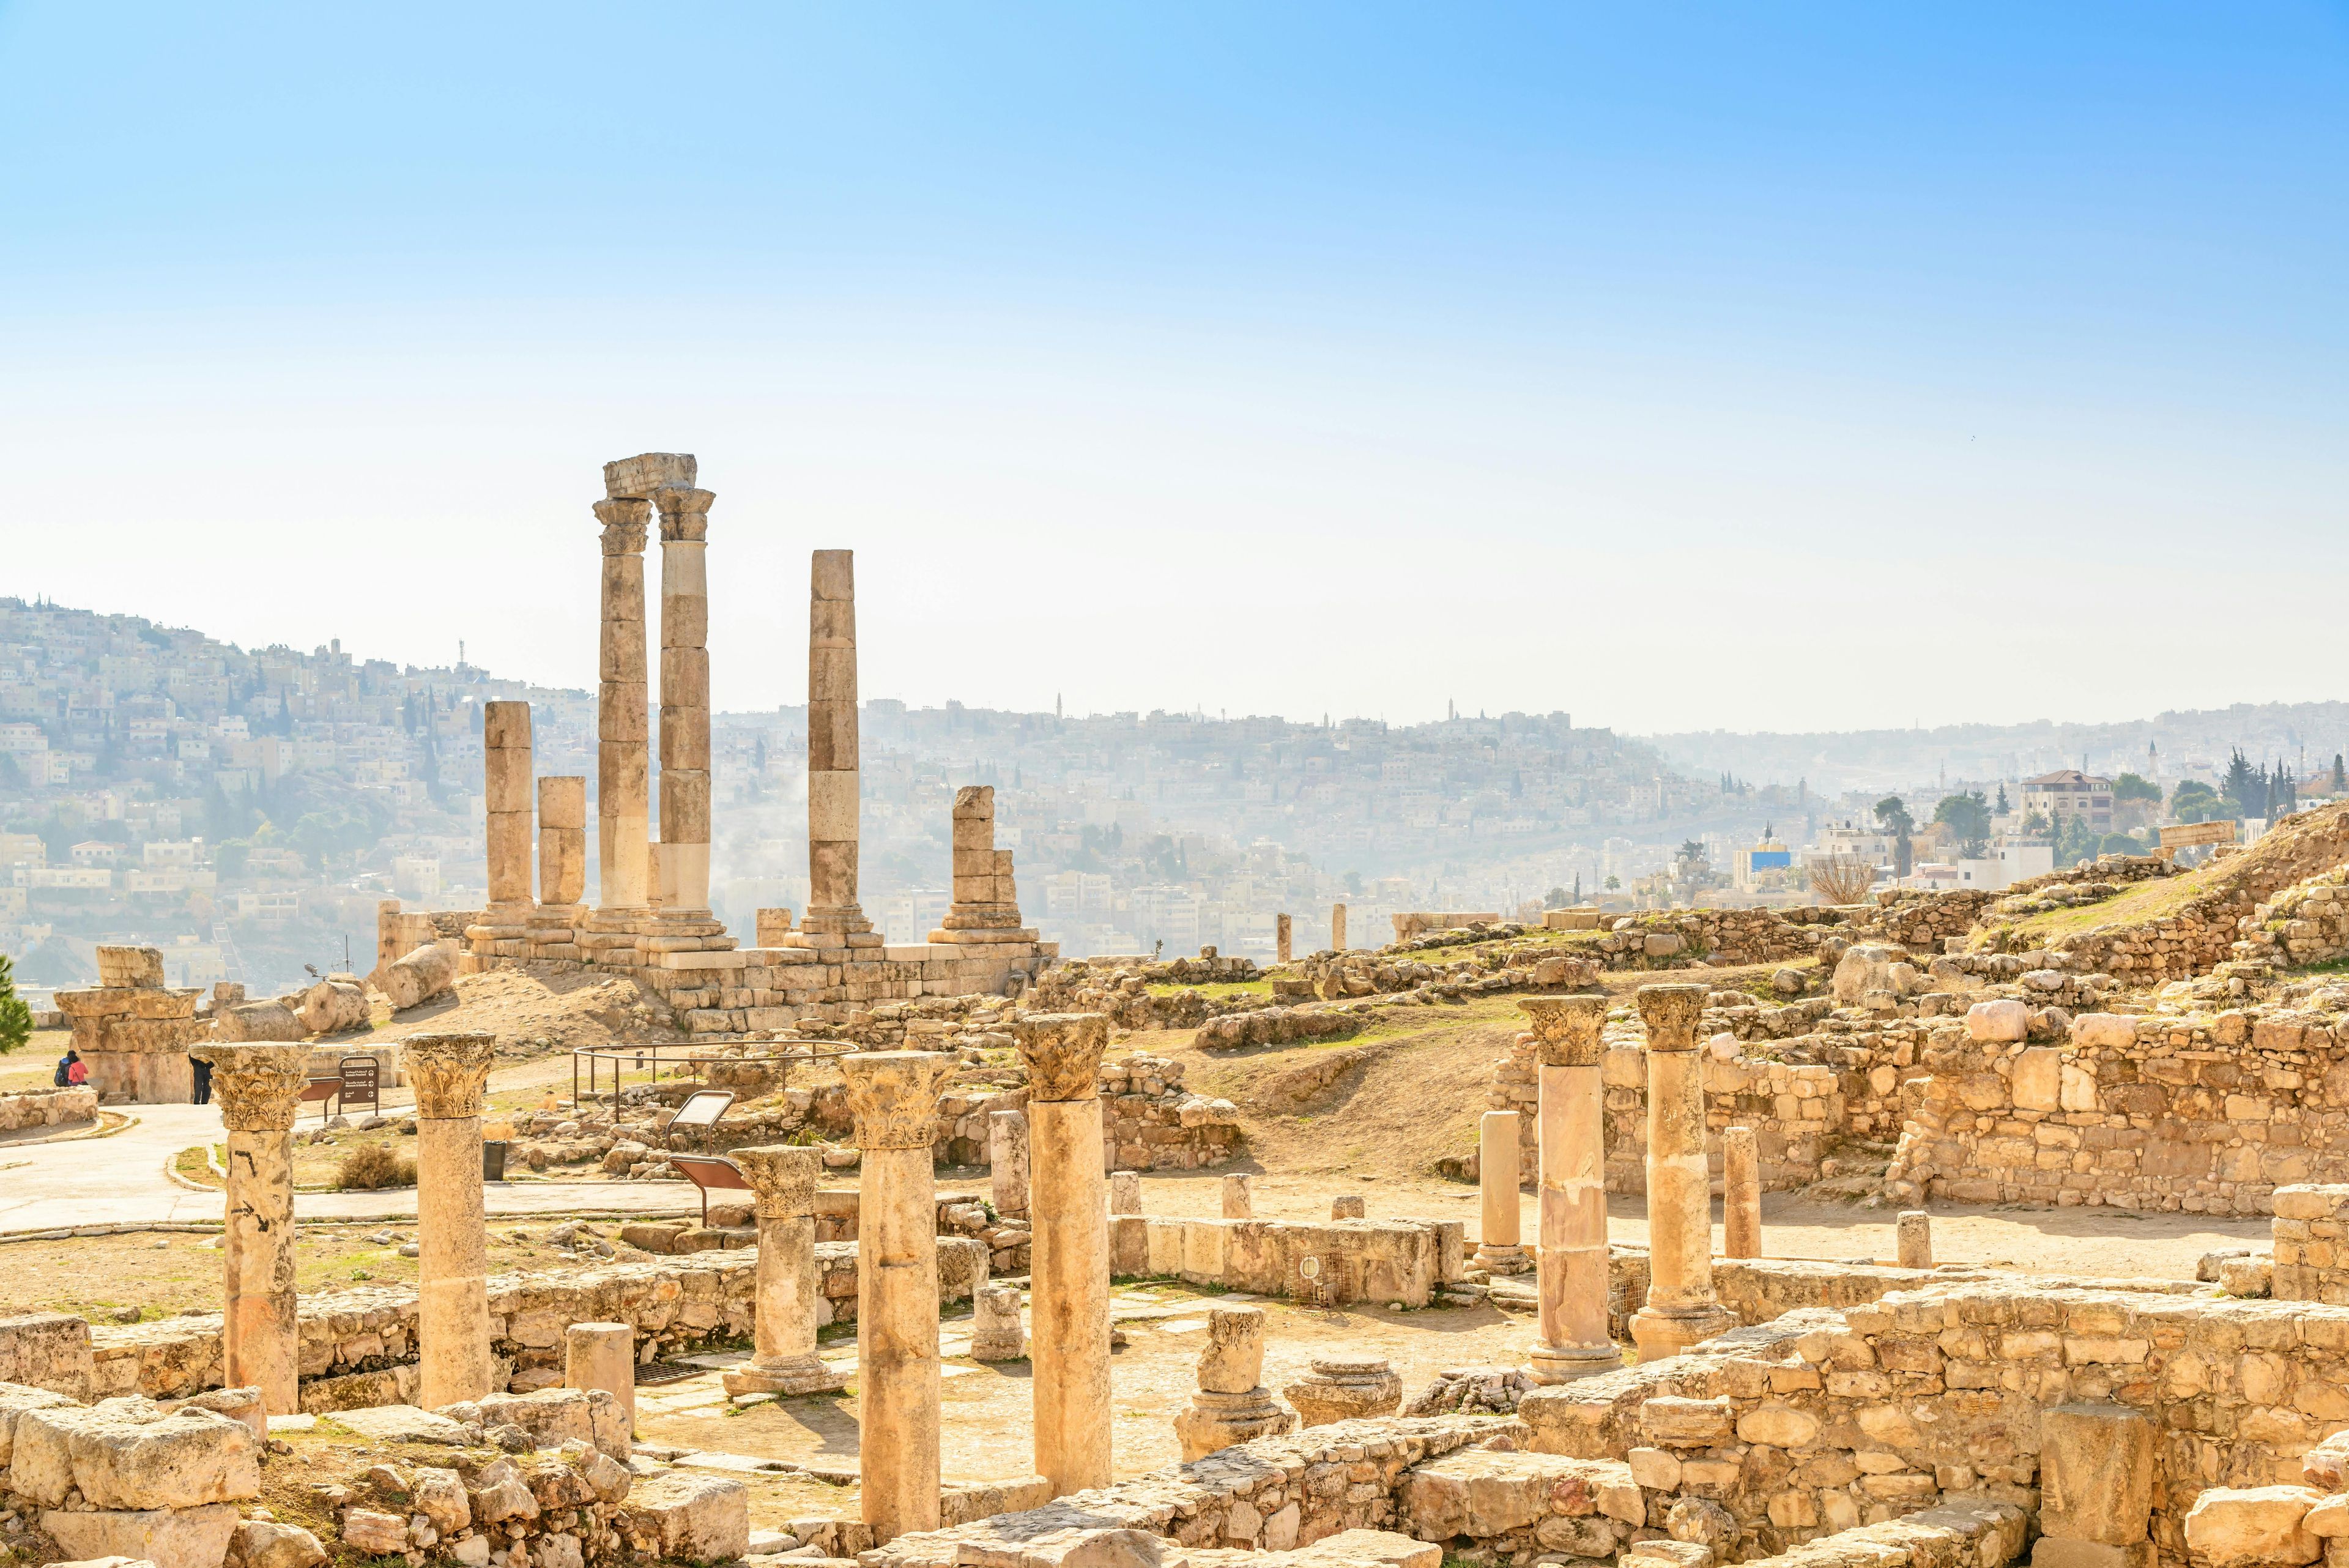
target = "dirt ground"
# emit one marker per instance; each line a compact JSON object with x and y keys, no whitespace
{"x":985,"y":1431}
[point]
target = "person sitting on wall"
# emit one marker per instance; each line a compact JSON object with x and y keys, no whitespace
{"x":71,"y":1070}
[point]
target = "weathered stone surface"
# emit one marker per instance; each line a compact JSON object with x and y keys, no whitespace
{"x":126,"y":1453}
{"x":687,"y":1517}
{"x":169,"y":1538}
{"x":264,"y":1543}
{"x":2236,"y":1527}
{"x":402,"y":1424}
{"x":2095,"y":1473}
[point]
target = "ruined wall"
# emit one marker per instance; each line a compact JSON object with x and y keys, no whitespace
{"x":2206,"y":1112}
{"x":1825,"y":1419}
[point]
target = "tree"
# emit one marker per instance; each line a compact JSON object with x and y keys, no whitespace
{"x":2339,"y":775}
{"x":1894,"y":815}
{"x":16,"y":1018}
{"x":1557,"y":898}
{"x":1967,"y":815}
{"x":2130,"y":787}
{"x":1691,"y":849}
{"x":2003,"y":808}
{"x":1612,"y":883}
{"x":2194,"y":800}
{"x":2245,"y":787}
{"x":1841,"y":879}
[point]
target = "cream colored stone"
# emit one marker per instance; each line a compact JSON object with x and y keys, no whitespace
{"x":448,"y":1072}
{"x":2237,"y":1527}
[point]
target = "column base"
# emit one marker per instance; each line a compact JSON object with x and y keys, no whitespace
{"x":1000,"y":1343}
{"x":1661,"y":1333}
{"x":799,"y":1374}
{"x":1565,"y":1363}
{"x":1212,"y":1422}
{"x":1510,"y":1258}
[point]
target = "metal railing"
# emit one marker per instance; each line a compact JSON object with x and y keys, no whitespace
{"x":684,"y":1064}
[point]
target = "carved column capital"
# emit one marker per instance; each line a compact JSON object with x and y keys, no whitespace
{"x":1062,"y":1052}
{"x":625,"y":522}
{"x":447,"y":1072}
{"x":782,"y":1180}
{"x":259,"y":1086}
{"x":895,"y":1095}
{"x":684,"y":513}
{"x":1669,"y":1012}
{"x":1566,"y":1028}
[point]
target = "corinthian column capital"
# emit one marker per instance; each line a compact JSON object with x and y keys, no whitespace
{"x":625,"y":522}
{"x":1566,"y":1028}
{"x":448,"y":1072}
{"x":895,"y":1095}
{"x":259,"y":1086}
{"x":684,"y":513}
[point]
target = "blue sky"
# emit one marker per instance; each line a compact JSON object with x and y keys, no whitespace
{"x":1342,"y":358}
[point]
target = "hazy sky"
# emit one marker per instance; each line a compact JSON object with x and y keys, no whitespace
{"x":1801,"y":366}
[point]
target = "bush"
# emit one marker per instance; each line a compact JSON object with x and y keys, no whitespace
{"x":374,"y":1165}
{"x":16,"y":1018}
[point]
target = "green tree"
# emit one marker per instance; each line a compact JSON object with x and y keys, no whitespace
{"x":1613,"y":882}
{"x":1557,"y":898}
{"x":2075,"y":841}
{"x":2245,"y":787}
{"x":16,"y":1018}
{"x":1894,"y":815}
{"x":2339,"y":775}
{"x":1967,"y":815}
{"x":2130,"y":787}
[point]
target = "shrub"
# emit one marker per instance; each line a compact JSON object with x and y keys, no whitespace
{"x":374,"y":1165}
{"x":16,"y":1018}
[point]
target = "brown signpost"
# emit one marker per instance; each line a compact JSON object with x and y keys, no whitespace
{"x":2188,"y":834}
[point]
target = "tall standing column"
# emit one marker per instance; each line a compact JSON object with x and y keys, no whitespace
{"x":684,"y":856}
{"x":1068,"y":1276}
{"x":832,"y":778}
{"x":622,"y":758}
{"x":895,"y":1098}
{"x":1499,"y":1249}
{"x":506,"y":786}
{"x":450,"y":1071}
{"x":1280,"y":939}
{"x":783,"y":1359}
{"x":1741,"y":1194}
{"x":1573,"y":1341}
{"x":1682,"y":1308}
{"x":1338,"y":928}
{"x":259,"y":1088}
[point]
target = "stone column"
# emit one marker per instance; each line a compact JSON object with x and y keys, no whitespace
{"x":996,"y":1333}
{"x":1069,"y":1273}
{"x":603,"y":1355}
{"x":1125,"y":1192}
{"x":1682,"y":1309}
{"x":1741,"y":1194}
{"x":1573,"y":1340}
{"x":684,"y":856}
{"x":783,"y":1359}
{"x":1232,"y":1405}
{"x":1337,"y":927}
{"x":561,"y":840}
{"x":1280,"y":937}
{"x":832,"y":777}
{"x":259,"y":1088}
{"x":506,"y":785}
{"x":986,"y":903}
{"x":1913,"y":1234}
{"x":895,"y":1098}
{"x":448,"y":1072}
{"x":1239,"y":1198}
{"x":1007,"y":1160}
{"x":1497,"y":1246}
{"x":622,"y":757}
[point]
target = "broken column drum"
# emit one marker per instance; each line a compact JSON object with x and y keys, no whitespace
{"x":1232,"y":1405}
{"x":893,"y":1095}
{"x":684,"y":854}
{"x":1007,"y":1160}
{"x":448,"y":1072}
{"x":259,"y":1088}
{"x":832,"y":777}
{"x":1682,"y":1309}
{"x":506,"y":787}
{"x":1572,"y":1340}
{"x":1741,"y":1194}
{"x":783,"y":1184}
{"x":562,"y":840}
{"x":1499,"y":1249}
{"x":1069,"y":1272}
{"x":1280,"y":939}
{"x":622,"y":755}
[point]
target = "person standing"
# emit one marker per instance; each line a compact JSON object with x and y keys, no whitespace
{"x":204,"y":1082}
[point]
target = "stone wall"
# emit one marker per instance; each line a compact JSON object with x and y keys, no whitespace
{"x":358,"y":1346}
{"x":48,"y":1107}
{"x":2207,"y":1113}
{"x":1377,"y":1260}
{"x":1825,"y":1421}
{"x":2312,"y":1244}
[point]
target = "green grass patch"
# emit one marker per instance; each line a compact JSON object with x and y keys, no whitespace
{"x":1214,"y":990}
{"x":2139,"y":903}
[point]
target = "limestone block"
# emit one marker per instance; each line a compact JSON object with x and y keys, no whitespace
{"x":374,"y":1532}
{"x":689,"y":1518}
{"x":45,"y":1350}
{"x":1686,"y":1423}
{"x":2095,"y":1473}
{"x":129,"y":966}
{"x":258,"y":1021}
{"x":1345,"y":1388}
{"x":2054,"y":1552}
{"x":2038,"y":1084}
{"x":169,"y":1538}
{"x":416,"y":978}
{"x":14,"y":1400}
{"x":332,"y":1006}
{"x":2103,"y":1030}
{"x":1863,"y":967}
{"x":2237,"y":1527}
{"x":263,"y":1544}
{"x":1998,"y":1021}
{"x":1233,"y":1362}
{"x":439,"y":1496}
{"x":126,"y":1453}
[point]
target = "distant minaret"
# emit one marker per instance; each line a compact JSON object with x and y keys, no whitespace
{"x":1055,"y":705}
{"x":2152,"y":761}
